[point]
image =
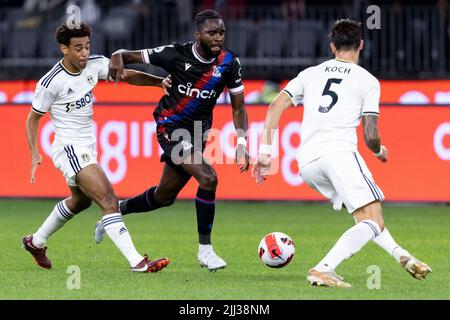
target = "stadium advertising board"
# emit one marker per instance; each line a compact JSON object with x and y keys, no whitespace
{"x":418,"y":139}
{"x":256,"y":91}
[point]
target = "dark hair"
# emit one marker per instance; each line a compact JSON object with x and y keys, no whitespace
{"x":204,"y":15}
{"x":63,"y":34}
{"x":346,"y":34}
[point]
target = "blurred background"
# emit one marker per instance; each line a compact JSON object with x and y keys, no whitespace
{"x":409,"y":53}
{"x":273,"y":38}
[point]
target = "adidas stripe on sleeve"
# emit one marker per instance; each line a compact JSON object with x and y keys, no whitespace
{"x":43,"y":99}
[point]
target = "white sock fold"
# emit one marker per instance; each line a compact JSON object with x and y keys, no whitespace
{"x":385,"y":241}
{"x":57,"y":218}
{"x":348,"y":244}
{"x":116,"y":230}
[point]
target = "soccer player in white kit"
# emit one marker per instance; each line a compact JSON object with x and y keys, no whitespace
{"x":336,"y":95}
{"x":66,"y":93}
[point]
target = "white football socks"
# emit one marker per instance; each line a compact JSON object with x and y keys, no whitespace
{"x":57,"y":218}
{"x":348,"y":244}
{"x":385,"y":241}
{"x":116,"y":230}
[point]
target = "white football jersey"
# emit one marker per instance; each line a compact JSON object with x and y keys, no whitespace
{"x":335,"y":95}
{"x":69,"y":99}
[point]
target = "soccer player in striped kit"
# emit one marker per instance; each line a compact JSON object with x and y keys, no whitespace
{"x":199,"y":70}
{"x":66,"y":93}
{"x":336,"y":95}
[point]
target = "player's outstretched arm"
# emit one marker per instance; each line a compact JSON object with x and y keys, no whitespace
{"x":119,"y":59}
{"x":372,"y":137}
{"x":262,"y":165}
{"x":139,"y":78}
{"x":241,"y":124}
{"x":32,"y":126}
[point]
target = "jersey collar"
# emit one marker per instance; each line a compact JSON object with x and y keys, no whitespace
{"x":343,"y":60}
{"x":70,"y":73}
{"x":198,"y":57}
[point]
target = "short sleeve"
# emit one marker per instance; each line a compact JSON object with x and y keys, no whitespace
{"x":371,"y":99}
{"x":160,"y":56}
{"x":234,"y":81}
{"x":103,"y":67}
{"x":43,"y":99}
{"x":295,"y":89}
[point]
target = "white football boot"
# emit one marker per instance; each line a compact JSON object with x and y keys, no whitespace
{"x":326,"y":279}
{"x":99,"y":231}
{"x":415,"y":267}
{"x":208,"y":258}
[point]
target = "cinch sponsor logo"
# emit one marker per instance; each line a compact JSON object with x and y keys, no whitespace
{"x":87,"y":99}
{"x":196,"y":93}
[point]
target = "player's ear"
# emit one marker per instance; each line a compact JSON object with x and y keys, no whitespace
{"x":333,"y":48}
{"x":361,"y":45}
{"x":64,"y":49}
{"x":197,"y":35}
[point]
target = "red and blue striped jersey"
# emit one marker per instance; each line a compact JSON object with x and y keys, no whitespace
{"x":196,"y":84}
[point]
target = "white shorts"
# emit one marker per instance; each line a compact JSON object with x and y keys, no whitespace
{"x":71,"y":159}
{"x":343,"y":178}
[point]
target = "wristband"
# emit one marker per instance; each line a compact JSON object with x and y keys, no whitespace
{"x":265,"y":149}
{"x":242,"y":140}
{"x":379,"y":153}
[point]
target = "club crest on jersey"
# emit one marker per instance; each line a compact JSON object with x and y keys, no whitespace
{"x":85,"y":157}
{"x":217,"y":71}
{"x":91,"y":81}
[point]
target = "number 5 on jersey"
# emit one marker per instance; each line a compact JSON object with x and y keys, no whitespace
{"x":331,"y":93}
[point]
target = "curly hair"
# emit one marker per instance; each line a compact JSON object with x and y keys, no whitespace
{"x":63,"y":34}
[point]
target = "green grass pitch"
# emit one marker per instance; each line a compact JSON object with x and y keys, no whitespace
{"x":238,"y":228}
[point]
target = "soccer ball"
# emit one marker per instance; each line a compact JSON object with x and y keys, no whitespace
{"x":276,"y":250}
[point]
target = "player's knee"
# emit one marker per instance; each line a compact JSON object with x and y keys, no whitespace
{"x":166,"y":202}
{"x":209,"y":181}
{"x":76,"y":205}
{"x":83,"y":204}
{"x":380,"y":224}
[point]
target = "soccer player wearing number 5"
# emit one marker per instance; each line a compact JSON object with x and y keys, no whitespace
{"x":66,"y":93}
{"x":199,"y":70}
{"x":336,"y":95}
